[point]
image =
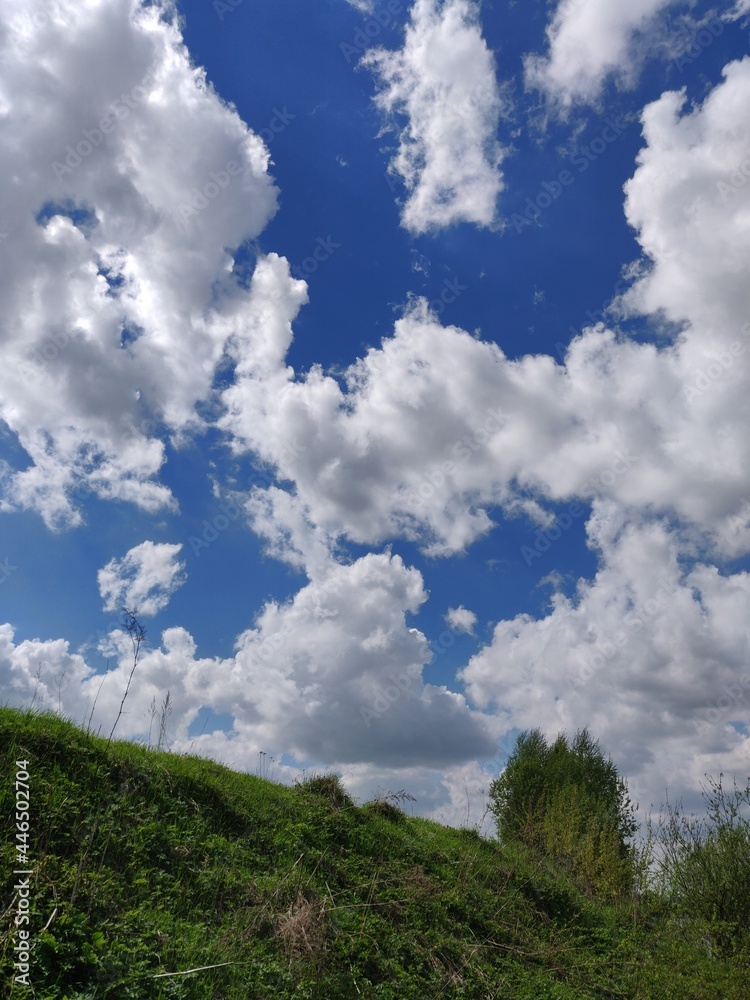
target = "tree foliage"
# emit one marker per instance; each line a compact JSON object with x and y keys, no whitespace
{"x":566,"y":800}
{"x":703,"y":867}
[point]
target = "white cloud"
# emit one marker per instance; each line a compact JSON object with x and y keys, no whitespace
{"x":428,"y":433}
{"x":363,"y":6}
{"x":434,"y":430}
{"x":120,"y":303}
{"x":437,"y":428}
{"x":42,"y":675}
{"x":688,"y":202}
{"x":589,"y":41}
{"x":653,"y":653}
{"x":143,"y":580}
{"x":443,"y":82}
{"x":461,"y":619}
{"x":115,"y":279}
{"x":653,"y":658}
{"x":593,"y":41}
{"x":425,"y":437}
{"x":335,"y":675}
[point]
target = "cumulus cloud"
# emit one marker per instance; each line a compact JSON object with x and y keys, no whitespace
{"x":436,"y":429}
{"x":143,"y":580}
{"x":653,"y":652}
{"x":461,"y":619}
{"x":428,"y":436}
{"x":122,"y":301}
{"x":42,"y":674}
{"x":590,"y":42}
{"x":652,"y":657}
{"x":335,"y":674}
{"x":688,"y":202}
{"x":115,"y":272}
{"x":442,"y":82}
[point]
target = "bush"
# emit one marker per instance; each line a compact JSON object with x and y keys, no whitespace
{"x":703,"y":867}
{"x":568,"y":802}
{"x":328,"y":787}
{"x":386,"y":809}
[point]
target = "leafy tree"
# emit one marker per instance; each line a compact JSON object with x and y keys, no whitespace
{"x":517,"y":795}
{"x":567,"y":801}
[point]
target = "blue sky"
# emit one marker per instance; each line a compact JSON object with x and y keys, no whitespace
{"x":390,"y":359}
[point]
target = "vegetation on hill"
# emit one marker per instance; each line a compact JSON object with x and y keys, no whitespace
{"x":566,"y":801}
{"x":166,"y":876}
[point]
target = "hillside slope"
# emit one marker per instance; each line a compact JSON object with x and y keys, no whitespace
{"x":148,"y":865}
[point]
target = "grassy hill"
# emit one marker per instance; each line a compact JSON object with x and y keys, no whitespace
{"x":148,"y":865}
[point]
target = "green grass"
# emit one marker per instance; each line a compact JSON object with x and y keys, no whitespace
{"x":154,"y":863}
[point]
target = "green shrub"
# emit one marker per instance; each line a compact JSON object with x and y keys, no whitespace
{"x":703,"y":867}
{"x":567,"y":801}
{"x":328,"y":787}
{"x":386,"y":809}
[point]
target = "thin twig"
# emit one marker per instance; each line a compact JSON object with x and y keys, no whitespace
{"x":137,"y":635}
{"x":98,"y":691}
{"x":201,"y":968}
